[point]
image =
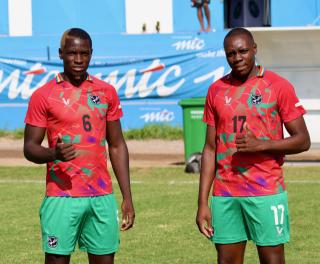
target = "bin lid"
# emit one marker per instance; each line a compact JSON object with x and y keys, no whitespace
{"x":198,"y":101}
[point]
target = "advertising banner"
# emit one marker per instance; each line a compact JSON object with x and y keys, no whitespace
{"x":149,"y":83}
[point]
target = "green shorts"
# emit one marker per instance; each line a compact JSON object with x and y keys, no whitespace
{"x":90,"y":221}
{"x":262,"y":219}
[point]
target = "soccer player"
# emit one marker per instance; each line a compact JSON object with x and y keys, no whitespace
{"x":243,"y":154}
{"x":79,"y":114}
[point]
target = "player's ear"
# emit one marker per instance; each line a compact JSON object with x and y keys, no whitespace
{"x":60,"y":53}
{"x":255,"y":48}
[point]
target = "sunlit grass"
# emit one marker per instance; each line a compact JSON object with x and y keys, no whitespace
{"x":165,"y":230}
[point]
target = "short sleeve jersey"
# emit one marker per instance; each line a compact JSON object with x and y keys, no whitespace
{"x":264,"y":102}
{"x":79,"y":114}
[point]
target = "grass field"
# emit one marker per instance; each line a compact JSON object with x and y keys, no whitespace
{"x":165,"y":132}
{"x":165,"y":230}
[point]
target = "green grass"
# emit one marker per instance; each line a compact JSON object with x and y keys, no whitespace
{"x":14,"y":134}
{"x":148,"y":132}
{"x":165,"y":230}
{"x":155,"y":132}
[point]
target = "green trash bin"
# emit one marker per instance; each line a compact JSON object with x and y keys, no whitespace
{"x":194,"y":129}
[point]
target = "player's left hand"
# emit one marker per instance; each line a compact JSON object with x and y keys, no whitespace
{"x":128,"y":215}
{"x":248,"y":142}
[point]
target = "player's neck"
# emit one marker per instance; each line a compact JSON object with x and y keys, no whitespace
{"x":74,"y":80}
{"x":254,"y":71}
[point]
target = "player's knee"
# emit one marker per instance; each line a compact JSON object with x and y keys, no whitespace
{"x":229,"y":259}
{"x":272,"y":255}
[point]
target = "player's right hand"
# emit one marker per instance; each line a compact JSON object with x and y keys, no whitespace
{"x":64,"y":151}
{"x":203,"y":221}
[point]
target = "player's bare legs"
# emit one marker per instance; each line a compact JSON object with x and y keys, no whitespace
{"x":271,"y":254}
{"x":101,"y":259}
{"x":56,"y":259}
{"x":200,"y":18}
{"x":207,"y":14}
{"x":231,"y":253}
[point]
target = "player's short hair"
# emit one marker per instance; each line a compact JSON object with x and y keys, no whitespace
{"x":75,"y":32}
{"x":239,"y":31}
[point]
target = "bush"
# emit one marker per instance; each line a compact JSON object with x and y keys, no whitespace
{"x":148,"y":132}
{"x":155,"y":132}
{"x":15,"y":134}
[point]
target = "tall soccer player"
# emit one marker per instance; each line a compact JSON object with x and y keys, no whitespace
{"x":244,"y":150}
{"x":80,"y":115}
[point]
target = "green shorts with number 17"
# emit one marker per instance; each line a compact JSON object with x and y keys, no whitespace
{"x":262,"y":219}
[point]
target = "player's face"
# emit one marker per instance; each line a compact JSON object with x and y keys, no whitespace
{"x":240,"y":53}
{"x":76,"y":55}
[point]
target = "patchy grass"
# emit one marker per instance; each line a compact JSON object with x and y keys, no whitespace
{"x":148,"y":132}
{"x":165,"y":231}
{"x":155,"y":132}
{"x":14,"y":134}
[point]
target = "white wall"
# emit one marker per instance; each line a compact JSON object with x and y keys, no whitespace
{"x":20,"y":17}
{"x":149,"y":12}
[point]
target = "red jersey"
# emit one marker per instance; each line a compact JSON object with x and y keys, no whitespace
{"x":79,"y":114}
{"x":264,"y":102}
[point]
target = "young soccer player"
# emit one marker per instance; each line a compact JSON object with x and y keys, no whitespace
{"x":243,"y":154}
{"x":79,"y":114}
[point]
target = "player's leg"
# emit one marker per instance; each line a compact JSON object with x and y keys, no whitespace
{"x":56,"y":259}
{"x":101,"y":259}
{"x":271,"y":254}
{"x":208,"y":15}
{"x":100,"y":231}
{"x":231,"y":253}
{"x":229,"y":229}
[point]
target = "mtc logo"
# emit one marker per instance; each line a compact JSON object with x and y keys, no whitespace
{"x":161,"y":116}
{"x":191,"y":44}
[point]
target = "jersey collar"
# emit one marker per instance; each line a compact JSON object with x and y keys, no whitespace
{"x":261,"y":71}
{"x":59,"y":78}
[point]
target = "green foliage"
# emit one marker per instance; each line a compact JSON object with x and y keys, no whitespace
{"x":165,"y":232}
{"x":148,"y":132}
{"x":155,"y":132}
{"x":14,"y":134}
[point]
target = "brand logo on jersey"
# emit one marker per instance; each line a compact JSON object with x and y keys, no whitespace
{"x":256,"y":98}
{"x":52,"y":241}
{"x":66,"y":101}
{"x":95,"y":99}
{"x":227,"y":99}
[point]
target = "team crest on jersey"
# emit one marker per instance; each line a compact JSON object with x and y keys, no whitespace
{"x":95,"y":99}
{"x":52,"y":241}
{"x":256,"y":98}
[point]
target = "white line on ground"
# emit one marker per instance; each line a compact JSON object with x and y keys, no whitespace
{"x":17,"y":181}
{"x":182,"y":182}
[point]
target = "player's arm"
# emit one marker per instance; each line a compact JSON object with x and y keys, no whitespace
{"x":33,"y":151}
{"x":119,"y":158}
{"x":206,"y":178}
{"x":298,"y":141}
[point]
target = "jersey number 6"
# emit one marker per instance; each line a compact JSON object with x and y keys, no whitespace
{"x":86,"y":124}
